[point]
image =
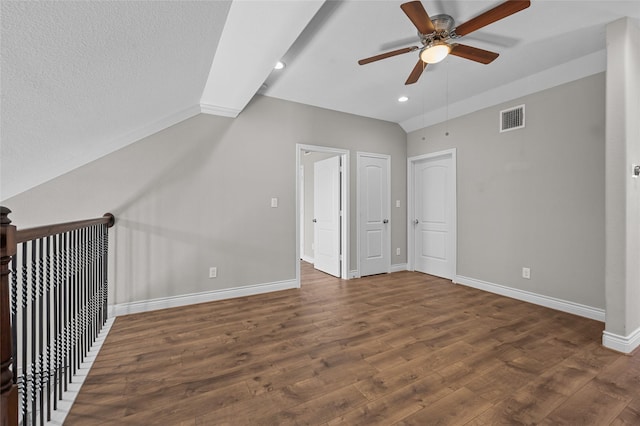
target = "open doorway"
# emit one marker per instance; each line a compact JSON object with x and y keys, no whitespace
{"x":306,"y":187}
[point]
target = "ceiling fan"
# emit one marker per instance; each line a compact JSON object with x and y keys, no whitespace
{"x":438,"y":35}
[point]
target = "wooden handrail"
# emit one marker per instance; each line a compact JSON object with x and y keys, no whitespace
{"x":29,"y":234}
{"x":10,"y":237}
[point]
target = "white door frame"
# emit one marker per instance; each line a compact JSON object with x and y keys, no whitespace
{"x":344,"y":202}
{"x":301,"y":210}
{"x":358,"y":207}
{"x":411,"y":162}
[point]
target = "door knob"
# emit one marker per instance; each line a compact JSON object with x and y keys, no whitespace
{"x":314,"y":220}
{"x":415,"y":222}
{"x":385,"y":221}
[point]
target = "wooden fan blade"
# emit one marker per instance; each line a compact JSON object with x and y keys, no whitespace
{"x":416,"y":72}
{"x":420,"y":18}
{"x":387,"y":55}
{"x":501,"y":11}
{"x":473,"y":53}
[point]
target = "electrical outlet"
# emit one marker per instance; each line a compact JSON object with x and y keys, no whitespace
{"x":526,"y":273}
{"x":398,"y":251}
{"x":274,"y":202}
{"x":397,"y":203}
{"x":213,"y":272}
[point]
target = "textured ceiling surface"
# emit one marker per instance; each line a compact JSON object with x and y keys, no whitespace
{"x":79,"y":77}
{"x":82,"y":79}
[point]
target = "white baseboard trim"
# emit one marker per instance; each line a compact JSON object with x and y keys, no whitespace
{"x":397,"y":267}
{"x":308,"y":259}
{"x":73,"y":389}
{"x":537,"y":299}
{"x":624,"y":344}
{"x":354,"y":274}
{"x":194,"y":298}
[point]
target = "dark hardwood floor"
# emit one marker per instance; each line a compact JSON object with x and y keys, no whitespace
{"x":403,"y":348}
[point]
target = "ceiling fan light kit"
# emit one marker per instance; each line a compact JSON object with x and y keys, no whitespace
{"x":435,"y":52}
{"x":435,"y":35}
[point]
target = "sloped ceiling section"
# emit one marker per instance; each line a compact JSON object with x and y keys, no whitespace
{"x":83,"y":79}
{"x":256,"y":36}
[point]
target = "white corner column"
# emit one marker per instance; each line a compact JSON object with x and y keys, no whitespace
{"x":622,"y":151}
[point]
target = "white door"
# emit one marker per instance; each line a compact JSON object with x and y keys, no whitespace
{"x":374,"y":213}
{"x":326,"y":215}
{"x":434,"y":216}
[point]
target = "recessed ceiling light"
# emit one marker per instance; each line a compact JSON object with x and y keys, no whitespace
{"x":279,"y":65}
{"x":403,"y":99}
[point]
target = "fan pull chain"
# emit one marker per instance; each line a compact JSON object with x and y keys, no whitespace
{"x":446,"y":118}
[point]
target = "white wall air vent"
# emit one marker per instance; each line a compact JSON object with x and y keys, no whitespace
{"x":512,"y":118}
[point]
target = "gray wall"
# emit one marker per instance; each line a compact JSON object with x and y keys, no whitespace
{"x":532,"y":197}
{"x":198,"y":195}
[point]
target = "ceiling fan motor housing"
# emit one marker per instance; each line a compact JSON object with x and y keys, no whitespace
{"x":443,"y":25}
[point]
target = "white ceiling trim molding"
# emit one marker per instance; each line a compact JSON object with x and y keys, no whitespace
{"x":256,"y":35}
{"x":153,"y":127}
{"x":564,"y":73}
{"x":219,"y":110}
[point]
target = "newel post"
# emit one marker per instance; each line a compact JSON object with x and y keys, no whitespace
{"x":8,"y":390}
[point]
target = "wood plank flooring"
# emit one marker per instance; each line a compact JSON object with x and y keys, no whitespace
{"x":403,"y":348}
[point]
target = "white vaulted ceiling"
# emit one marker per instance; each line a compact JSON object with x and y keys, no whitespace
{"x":549,"y":43}
{"x":255,"y":37}
{"x":82,"y":79}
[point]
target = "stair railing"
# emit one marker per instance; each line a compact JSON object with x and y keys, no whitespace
{"x":53,"y":304}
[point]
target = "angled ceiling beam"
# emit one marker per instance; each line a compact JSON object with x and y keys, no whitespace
{"x":256,"y":35}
